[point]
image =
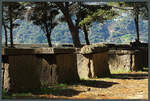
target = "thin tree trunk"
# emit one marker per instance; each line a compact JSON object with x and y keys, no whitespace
{"x":136,"y":18}
{"x":48,"y":39}
{"x":73,"y":29}
{"x":11,"y":27}
{"x":48,"y":35}
{"x":6,"y":38}
{"x":86,"y":35}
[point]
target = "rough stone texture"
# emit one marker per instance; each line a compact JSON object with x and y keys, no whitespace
{"x":95,"y":48}
{"x":140,"y":60}
{"x":30,"y":72}
{"x":48,"y":68}
{"x":85,"y":66}
{"x":6,"y":79}
{"x":93,"y":61}
{"x":93,"y":65}
{"x":67,"y":68}
{"x":119,"y":62}
{"x":31,"y":51}
{"x":100,"y":62}
{"x":128,"y":60}
{"x":23,"y":73}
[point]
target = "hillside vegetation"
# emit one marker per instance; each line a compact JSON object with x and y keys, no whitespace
{"x":119,"y":30}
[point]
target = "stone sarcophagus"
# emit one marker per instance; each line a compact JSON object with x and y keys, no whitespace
{"x":127,"y":58}
{"x":29,"y":69}
{"x":92,"y":61}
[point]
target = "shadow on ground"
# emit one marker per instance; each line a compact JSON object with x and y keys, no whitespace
{"x":68,"y":92}
{"x":65,"y":91}
{"x":129,"y":76}
{"x":97,"y":84}
{"x":60,"y":92}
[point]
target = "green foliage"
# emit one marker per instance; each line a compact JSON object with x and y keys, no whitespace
{"x":100,"y":15}
{"x":119,"y":30}
{"x":11,"y":11}
{"x":5,"y":95}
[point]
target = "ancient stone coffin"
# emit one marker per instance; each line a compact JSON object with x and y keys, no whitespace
{"x":92,"y":61}
{"x":29,"y":71}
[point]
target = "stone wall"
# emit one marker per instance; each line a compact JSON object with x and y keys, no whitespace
{"x":31,"y":71}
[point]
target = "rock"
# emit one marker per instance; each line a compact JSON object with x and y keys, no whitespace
{"x":94,"y":48}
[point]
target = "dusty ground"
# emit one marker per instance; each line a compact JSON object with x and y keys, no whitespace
{"x":133,"y":85}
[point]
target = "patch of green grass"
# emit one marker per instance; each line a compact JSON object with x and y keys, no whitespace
{"x":61,"y":85}
{"x":21,"y":94}
{"x":5,"y":95}
{"x":43,"y":90}
{"x":52,"y":90}
{"x":119,"y":71}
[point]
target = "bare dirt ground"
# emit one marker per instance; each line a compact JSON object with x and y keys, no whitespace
{"x":133,"y":85}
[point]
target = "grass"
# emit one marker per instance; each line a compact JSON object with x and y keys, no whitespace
{"x":43,"y":90}
{"x":5,"y":95}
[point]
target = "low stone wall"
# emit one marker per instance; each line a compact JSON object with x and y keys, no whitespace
{"x":29,"y":71}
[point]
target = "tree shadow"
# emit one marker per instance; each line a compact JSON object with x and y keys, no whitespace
{"x":129,"y":76}
{"x":65,"y":91}
{"x":95,"y":83}
{"x":68,"y":92}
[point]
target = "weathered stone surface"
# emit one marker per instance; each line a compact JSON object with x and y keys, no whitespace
{"x":43,"y":67}
{"x":31,"y":51}
{"x":31,"y":71}
{"x":48,"y":66}
{"x":93,"y":65}
{"x":100,"y":62}
{"x":21,"y":73}
{"x":128,"y":60}
{"x":119,"y":62}
{"x":67,"y":68}
{"x":140,"y":60}
{"x":85,"y":66}
{"x":95,"y":48}
{"x":6,"y":78}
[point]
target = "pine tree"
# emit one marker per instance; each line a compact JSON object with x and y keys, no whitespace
{"x":11,"y":12}
{"x":44,"y":15}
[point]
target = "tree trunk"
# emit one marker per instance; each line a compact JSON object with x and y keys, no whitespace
{"x":136,"y":18}
{"x":86,"y":35}
{"x":6,"y":39}
{"x":49,"y":39}
{"x":11,"y":27}
{"x":73,"y":29}
{"x":48,"y":35}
